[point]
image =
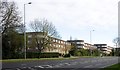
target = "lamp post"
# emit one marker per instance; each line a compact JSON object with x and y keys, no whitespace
{"x":91,"y":40}
{"x":91,"y":36}
{"x":25,"y":29}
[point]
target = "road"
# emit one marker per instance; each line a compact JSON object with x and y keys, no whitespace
{"x":83,"y":62}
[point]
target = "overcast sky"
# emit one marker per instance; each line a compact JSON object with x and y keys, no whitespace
{"x":76,"y":18}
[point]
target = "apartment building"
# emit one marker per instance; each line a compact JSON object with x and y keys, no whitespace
{"x":89,"y":46}
{"x":78,"y":43}
{"x":81,"y":44}
{"x":109,"y":49}
{"x":104,"y":48}
{"x":54,"y":44}
{"x":58,"y":45}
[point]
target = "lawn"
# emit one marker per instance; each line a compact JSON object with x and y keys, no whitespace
{"x":113,"y":67}
{"x":35,"y":59}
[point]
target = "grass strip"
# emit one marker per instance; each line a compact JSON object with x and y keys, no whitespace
{"x":112,"y":67}
{"x":35,"y":59}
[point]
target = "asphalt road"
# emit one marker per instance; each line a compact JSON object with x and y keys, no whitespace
{"x":83,"y":62}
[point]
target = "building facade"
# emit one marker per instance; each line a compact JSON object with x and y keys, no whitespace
{"x":81,"y":44}
{"x":58,"y":45}
{"x":104,"y":48}
{"x":78,"y":43}
{"x":53,"y":44}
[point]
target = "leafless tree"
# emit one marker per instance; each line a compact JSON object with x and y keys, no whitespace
{"x":47,"y":30}
{"x":9,"y":16}
{"x":116,"y":41}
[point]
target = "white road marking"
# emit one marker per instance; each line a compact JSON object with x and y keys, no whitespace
{"x":47,"y":66}
{"x":39,"y":66}
{"x":67,"y":63}
{"x":60,"y":64}
{"x":30,"y":68}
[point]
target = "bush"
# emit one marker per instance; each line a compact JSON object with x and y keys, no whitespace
{"x":42,"y":55}
{"x":79,"y":54}
{"x":18,"y":55}
{"x":11,"y":55}
{"x":32,"y":54}
{"x":67,"y":55}
{"x":49,"y":55}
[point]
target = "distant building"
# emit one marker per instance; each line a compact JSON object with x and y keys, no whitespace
{"x":104,"y":48}
{"x":87,"y":46}
{"x":78,"y":43}
{"x":55,"y":45}
{"x":81,"y":44}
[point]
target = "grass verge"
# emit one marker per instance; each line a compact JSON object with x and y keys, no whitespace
{"x":113,"y":67}
{"x":35,"y":59}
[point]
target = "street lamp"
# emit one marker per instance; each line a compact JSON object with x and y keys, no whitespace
{"x":25,"y":29}
{"x":91,"y":40}
{"x":91,"y":36}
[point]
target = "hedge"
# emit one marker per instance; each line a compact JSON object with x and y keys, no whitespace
{"x":67,"y":55}
{"x":42,"y":55}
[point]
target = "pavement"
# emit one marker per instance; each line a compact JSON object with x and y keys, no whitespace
{"x":72,"y":64}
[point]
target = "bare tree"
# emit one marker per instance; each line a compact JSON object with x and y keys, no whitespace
{"x":9,"y":16}
{"x":116,"y":41}
{"x":47,"y":30}
{"x":10,"y":20}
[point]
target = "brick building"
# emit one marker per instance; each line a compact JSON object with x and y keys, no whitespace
{"x":54,"y":45}
{"x":81,"y":44}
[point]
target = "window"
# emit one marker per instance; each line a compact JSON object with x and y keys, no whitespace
{"x":78,"y":42}
{"x":29,"y":36}
{"x":81,"y":42}
{"x":53,"y":40}
{"x":104,"y":46}
{"x":68,"y":44}
{"x":59,"y":45}
{"x":80,"y":46}
{"x":59,"y":41}
{"x":62,"y":42}
{"x":56,"y":40}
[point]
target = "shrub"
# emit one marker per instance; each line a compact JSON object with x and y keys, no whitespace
{"x":49,"y":55}
{"x":42,"y":55}
{"x":32,"y":54}
{"x":67,"y":55}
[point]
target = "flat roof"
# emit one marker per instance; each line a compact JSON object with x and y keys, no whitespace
{"x":100,"y":44}
{"x":75,"y":40}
